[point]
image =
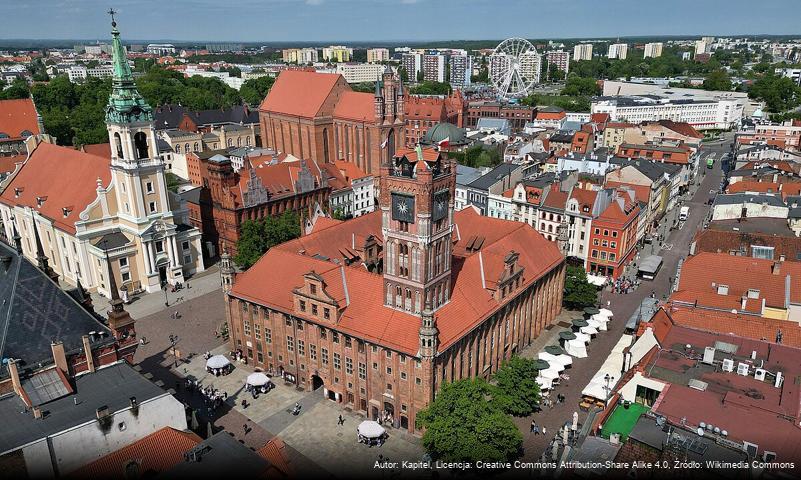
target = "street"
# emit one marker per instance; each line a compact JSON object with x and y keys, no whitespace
{"x":623,"y":306}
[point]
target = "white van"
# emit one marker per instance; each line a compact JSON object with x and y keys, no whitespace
{"x":684,"y":213}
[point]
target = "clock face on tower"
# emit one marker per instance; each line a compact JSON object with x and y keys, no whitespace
{"x":402,"y":208}
{"x":440,"y":205}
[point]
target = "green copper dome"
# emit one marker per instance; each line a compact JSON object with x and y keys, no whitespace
{"x":441,"y":131}
{"x":125,"y":104}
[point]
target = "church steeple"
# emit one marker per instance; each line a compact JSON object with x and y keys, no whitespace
{"x":125,"y":104}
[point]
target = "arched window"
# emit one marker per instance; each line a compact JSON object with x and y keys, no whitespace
{"x":325,"y":145}
{"x":389,"y":294}
{"x":230,"y":142}
{"x":398,"y":296}
{"x":238,"y":141}
{"x":195,"y":149}
{"x":186,"y":148}
{"x":140,"y":145}
{"x":177,"y":148}
{"x":247,"y":141}
{"x":118,"y":145}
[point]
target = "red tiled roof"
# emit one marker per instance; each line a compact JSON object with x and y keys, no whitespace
{"x":155,"y":453}
{"x":726,"y":241}
{"x":279,"y":178}
{"x":585,"y":198}
{"x":350,"y":170}
{"x":358,"y":106}
{"x":300,"y":93}
{"x":9,"y":163}
{"x":740,"y":274}
{"x":715,"y":300}
{"x":16,"y":116}
{"x":321,"y":223}
{"x":67,"y":177}
{"x":274,"y":452}
{"x":430,"y":154}
{"x":600,"y":118}
{"x":365,"y":316}
{"x":682,"y":128}
{"x":641,"y":192}
{"x":751,"y":186}
{"x":749,"y":326}
{"x":550,"y":115}
{"x":99,"y":149}
{"x":556,"y":198}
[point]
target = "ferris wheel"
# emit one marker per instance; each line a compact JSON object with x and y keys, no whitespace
{"x":514,"y":67}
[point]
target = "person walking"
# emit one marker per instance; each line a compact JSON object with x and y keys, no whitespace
{"x":341,"y":421}
{"x":533,"y":426}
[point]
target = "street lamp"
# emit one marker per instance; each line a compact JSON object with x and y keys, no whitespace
{"x":607,"y":378}
{"x":173,"y":342}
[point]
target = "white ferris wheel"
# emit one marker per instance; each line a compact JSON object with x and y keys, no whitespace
{"x":514,"y":67}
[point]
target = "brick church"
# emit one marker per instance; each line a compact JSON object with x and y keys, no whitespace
{"x":379,"y":311}
{"x":317,"y":116}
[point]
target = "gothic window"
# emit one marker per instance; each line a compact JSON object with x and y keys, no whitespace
{"x":416,"y":264}
{"x":118,"y":145}
{"x":408,"y":304}
{"x":177,"y":148}
{"x":398,"y":297}
{"x":247,"y":141}
{"x":238,"y":141}
{"x":403,"y":260}
{"x":186,"y":148}
{"x":417,"y":302}
{"x":230,"y":142}
{"x":389,"y":294}
{"x":140,"y":144}
{"x":195,"y":149}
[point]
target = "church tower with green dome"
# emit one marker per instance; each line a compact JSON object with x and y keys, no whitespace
{"x":129,"y":118}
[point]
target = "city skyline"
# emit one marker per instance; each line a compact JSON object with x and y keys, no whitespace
{"x":365,"y":20}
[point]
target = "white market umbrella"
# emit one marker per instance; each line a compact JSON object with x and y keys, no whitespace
{"x":583,"y":337}
{"x":217,"y":361}
{"x":576,"y":348}
{"x":544,"y":383}
{"x":588,"y":330}
{"x":550,"y":373}
{"x":554,"y":361}
{"x":370,"y":429}
{"x":606,"y":312}
{"x":596,"y":324}
{"x":600,"y":318}
{"x":258,"y":379}
{"x":565,"y":359}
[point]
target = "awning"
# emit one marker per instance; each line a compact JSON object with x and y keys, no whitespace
{"x":596,"y":280}
{"x":595,"y":323}
{"x":650,"y":264}
{"x":217,"y":361}
{"x":370,"y":429}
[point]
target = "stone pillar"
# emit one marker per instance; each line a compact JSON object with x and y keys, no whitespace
{"x":176,"y":253}
{"x":149,"y":258}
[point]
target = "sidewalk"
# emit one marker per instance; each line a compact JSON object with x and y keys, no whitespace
{"x":149,"y":303}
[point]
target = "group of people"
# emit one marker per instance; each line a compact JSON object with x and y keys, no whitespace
{"x":385,"y":417}
{"x":256,"y":390}
{"x":237,"y":355}
{"x":213,"y":398}
{"x":371,"y":441}
{"x":624,"y":285}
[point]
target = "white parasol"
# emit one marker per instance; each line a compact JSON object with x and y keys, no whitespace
{"x":556,"y":362}
{"x":544,"y":383}
{"x":258,"y":379}
{"x":549,"y":373}
{"x":576,"y":348}
{"x":370,"y":429}
{"x":217,"y":361}
{"x":606,"y":312}
{"x":596,"y":324}
{"x":583,"y":337}
{"x":588,"y":330}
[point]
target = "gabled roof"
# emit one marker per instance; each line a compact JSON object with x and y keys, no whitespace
{"x":300,"y":93}
{"x":358,"y":106}
{"x":682,"y":128}
{"x":99,"y":149}
{"x":18,"y":116}
{"x":65,"y":176}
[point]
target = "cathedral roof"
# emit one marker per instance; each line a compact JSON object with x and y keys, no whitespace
{"x":356,"y":106}
{"x":125,"y":104}
{"x":60,"y":177}
{"x":299,"y":93}
{"x":480,"y":246}
{"x":17,"y":117}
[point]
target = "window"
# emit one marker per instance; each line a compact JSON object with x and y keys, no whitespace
{"x":326,"y":313}
{"x":595,"y":253}
{"x":301,"y":348}
{"x":337,"y":361}
{"x":323,"y":334}
{"x":765,"y":253}
{"x":123,"y":262}
{"x":126,"y":277}
{"x":290,"y":344}
{"x":417,"y":381}
{"x":606,"y":233}
{"x":313,"y":289}
{"x":335,"y":337}
{"x":597,"y":231}
{"x":246,"y":326}
{"x":268,"y":336}
{"x":313,"y":351}
{"x":257,"y":333}
{"x":595,"y":242}
{"x":302,"y":309}
{"x":389,"y":370}
{"x":349,"y":366}
{"x":152,"y":206}
{"x":185,"y":246}
{"x":613,"y":244}
{"x":362,"y":371}
{"x":159,"y":247}
{"x":314,"y":309}
{"x":348,"y":342}
{"x":149,"y":187}
{"x":614,"y":234}
{"x":324,"y":355}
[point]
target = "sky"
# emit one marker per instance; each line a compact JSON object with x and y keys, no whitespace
{"x":394,"y":20}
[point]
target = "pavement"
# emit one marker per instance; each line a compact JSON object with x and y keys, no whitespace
{"x":623,"y":306}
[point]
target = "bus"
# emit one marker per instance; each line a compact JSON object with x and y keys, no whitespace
{"x":710,"y":161}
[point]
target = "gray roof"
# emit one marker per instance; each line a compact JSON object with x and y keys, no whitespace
{"x":488,"y":179}
{"x":219,"y":456}
{"x":653,"y":170}
{"x":561,"y":137}
{"x":794,"y":203}
{"x":170,"y":116}
{"x":740,"y":198}
{"x":112,"y":386}
{"x":465,"y":175}
{"x":34,"y":311}
{"x":192,"y":195}
{"x":766,"y":225}
{"x":112,"y":240}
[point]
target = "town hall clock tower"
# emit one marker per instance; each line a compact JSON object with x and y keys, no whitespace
{"x":417,"y":193}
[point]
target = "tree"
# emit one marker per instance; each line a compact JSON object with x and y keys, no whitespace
{"x":477,"y":156}
{"x":258,"y":236}
{"x":404,"y":75}
{"x":779,"y":93}
{"x":579,"y":293}
{"x":254,"y":90}
{"x":364,"y":87}
{"x":18,"y":89}
{"x":431,"y":88}
{"x":420,"y":76}
{"x":717,"y":80}
{"x":517,"y":392}
{"x":173,"y":181}
{"x":581,"y":86}
{"x":464,"y":423}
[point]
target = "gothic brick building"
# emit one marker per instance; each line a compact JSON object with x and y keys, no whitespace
{"x":377,"y":312}
{"x":317,"y":116}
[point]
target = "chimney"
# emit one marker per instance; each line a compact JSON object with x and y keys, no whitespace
{"x":37,"y":412}
{"x":743,"y":302}
{"x":87,"y":351}
{"x":101,"y":412}
{"x":59,"y":357}
{"x":14,"y":372}
{"x":776,"y":268}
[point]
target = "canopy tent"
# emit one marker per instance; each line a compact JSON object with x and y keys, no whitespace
{"x":595,"y":323}
{"x":611,"y":368}
{"x":583,"y":337}
{"x":564,"y":359}
{"x":550,"y":373}
{"x":576,"y":348}
{"x":258,"y":379}
{"x":370,"y":429}
{"x":596,"y":280}
{"x":588,"y":330}
{"x":643,"y":345}
{"x":605,"y":312}
{"x":599,"y":389}
{"x":544,"y":383}
{"x":217,"y":361}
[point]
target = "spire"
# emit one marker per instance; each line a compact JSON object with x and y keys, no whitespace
{"x":125,"y":104}
{"x":117,"y":305}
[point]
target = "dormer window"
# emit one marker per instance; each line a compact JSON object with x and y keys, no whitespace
{"x":40,"y":201}
{"x":18,"y":191}
{"x":66,"y":211}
